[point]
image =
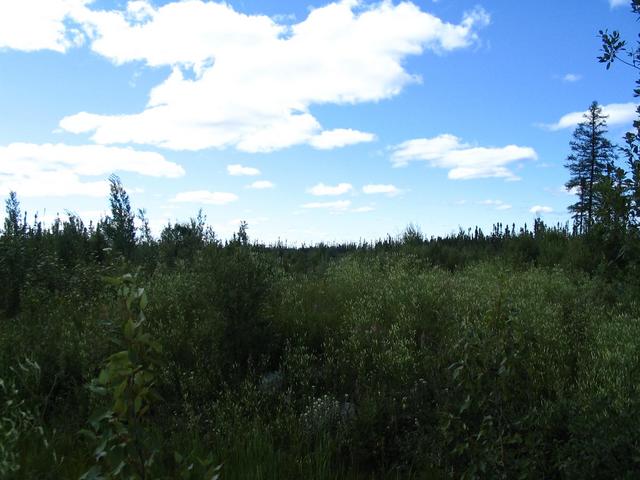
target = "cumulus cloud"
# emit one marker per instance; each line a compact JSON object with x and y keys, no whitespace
{"x":44,"y":170}
{"x":537,"y":209}
{"x":618,"y":3}
{"x":617,"y":113}
{"x":248,"y":82}
{"x":53,"y":184}
{"x":31,"y":25}
{"x":463,"y":161}
{"x":321,"y":189}
{"x":387,"y":189}
{"x":340,"y":137}
{"x":205,"y":197}
{"x":239,"y":170}
{"x":261,"y":185}
{"x":339,"y":205}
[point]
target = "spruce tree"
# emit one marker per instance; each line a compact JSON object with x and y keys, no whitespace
{"x":616,"y":49}
{"x":590,"y":161}
{"x":632,"y":152}
{"x":120,"y":227}
{"x":12,"y":226}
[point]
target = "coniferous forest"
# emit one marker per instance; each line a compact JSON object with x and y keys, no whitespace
{"x":510,"y":353}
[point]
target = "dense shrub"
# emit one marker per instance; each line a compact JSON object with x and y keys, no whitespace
{"x":510,"y":355}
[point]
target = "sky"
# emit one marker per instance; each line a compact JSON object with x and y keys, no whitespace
{"x":311,"y":121}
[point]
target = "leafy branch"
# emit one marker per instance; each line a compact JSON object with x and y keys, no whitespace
{"x":128,"y":380}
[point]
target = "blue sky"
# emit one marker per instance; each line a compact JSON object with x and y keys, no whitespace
{"x":311,"y":121}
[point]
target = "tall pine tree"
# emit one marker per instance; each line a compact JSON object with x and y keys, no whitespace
{"x":590,"y":161}
{"x":615,"y":49}
{"x":12,"y":225}
{"x":120,"y":227}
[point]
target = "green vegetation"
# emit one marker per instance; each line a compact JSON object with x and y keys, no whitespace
{"x":508,"y":354}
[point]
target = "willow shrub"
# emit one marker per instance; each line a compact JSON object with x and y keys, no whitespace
{"x":375,"y":365}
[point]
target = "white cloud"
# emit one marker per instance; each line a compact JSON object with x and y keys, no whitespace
{"x":388,"y":189}
{"x":340,"y":137}
{"x":205,"y":197}
{"x":462,"y":160}
{"x":321,"y":189}
{"x":537,"y":209}
{"x":45,"y":170}
{"x":31,"y":25}
{"x":571,"y":78}
{"x":239,"y":170}
{"x":497,"y":204}
{"x":618,"y":113}
{"x":261,"y":185}
{"x":340,"y":205}
{"x":53,"y":184}
{"x":255,"y":79}
{"x":618,"y":3}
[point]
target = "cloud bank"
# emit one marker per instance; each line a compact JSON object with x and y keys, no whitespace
{"x":240,"y":81}
{"x":31,"y":25}
{"x":463,"y":161}
{"x":35,"y":170}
